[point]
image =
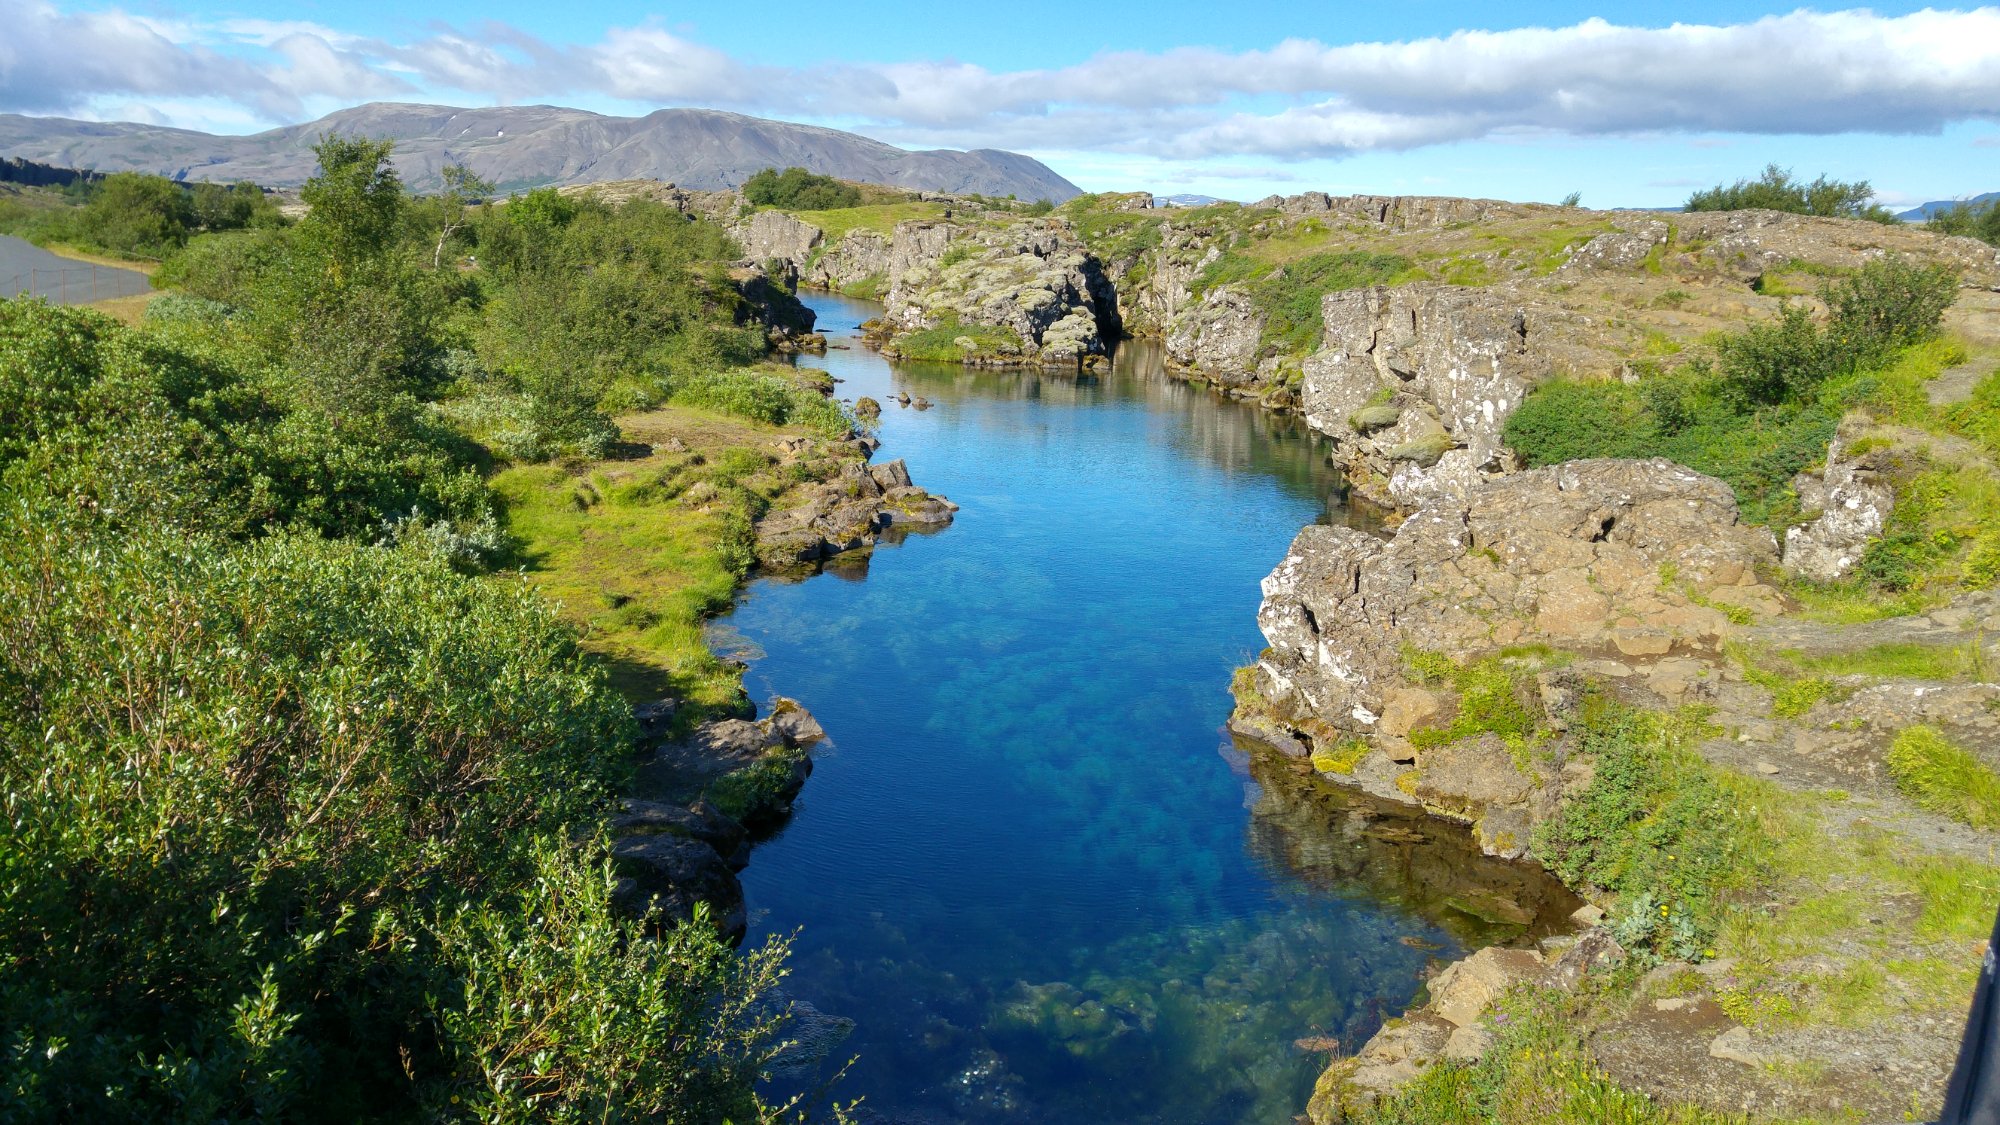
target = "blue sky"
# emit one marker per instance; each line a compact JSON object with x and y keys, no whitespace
{"x":1631,"y":105}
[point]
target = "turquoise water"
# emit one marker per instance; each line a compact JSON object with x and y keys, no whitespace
{"x":1030,"y":866}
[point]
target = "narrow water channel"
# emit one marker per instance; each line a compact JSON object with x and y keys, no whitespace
{"x":1031,"y":867}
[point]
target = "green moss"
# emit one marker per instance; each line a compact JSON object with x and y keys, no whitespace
{"x":1342,"y":759}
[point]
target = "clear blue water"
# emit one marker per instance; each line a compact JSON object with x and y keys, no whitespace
{"x":1031,"y":866}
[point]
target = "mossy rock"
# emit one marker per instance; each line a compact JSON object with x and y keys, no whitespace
{"x":865,"y":407}
{"x":1423,"y":451}
{"x":1368,"y":419}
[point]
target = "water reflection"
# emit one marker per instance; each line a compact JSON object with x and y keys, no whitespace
{"x":1022,"y":867}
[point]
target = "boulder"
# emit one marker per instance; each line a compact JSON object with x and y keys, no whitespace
{"x":1465,"y":989}
{"x":670,"y":874}
{"x":699,"y":821}
{"x":1853,"y":497}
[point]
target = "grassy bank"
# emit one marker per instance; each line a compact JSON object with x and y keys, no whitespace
{"x":639,"y":551}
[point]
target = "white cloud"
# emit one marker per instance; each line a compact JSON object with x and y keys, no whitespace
{"x":1800,"y":73}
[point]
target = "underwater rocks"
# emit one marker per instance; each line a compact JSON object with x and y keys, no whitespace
{"x":727,"y":782}
{"x":848,"y":513}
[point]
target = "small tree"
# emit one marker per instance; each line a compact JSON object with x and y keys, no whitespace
{"x":356,"y":201}
{"x":1778,"y":190}
{"x":461,"y":187}
{"x":133,"y":213}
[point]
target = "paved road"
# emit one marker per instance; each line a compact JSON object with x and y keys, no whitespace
{"x":29,"y":270}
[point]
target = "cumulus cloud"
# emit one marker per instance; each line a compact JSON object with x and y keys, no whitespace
{"x":56,"y":62}
{"x":1802,"y":72}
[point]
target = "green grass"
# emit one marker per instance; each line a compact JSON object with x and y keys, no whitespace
{"x":1945,"y":778}
{"x":941,"y":344}
{"x":1538,"y":1070}
{"x":880,"y":218}
{"x":641,"y":553}
{"x":1901,"y":661}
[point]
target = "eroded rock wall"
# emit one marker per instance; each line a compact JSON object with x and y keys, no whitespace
{"x":1635,"y":562}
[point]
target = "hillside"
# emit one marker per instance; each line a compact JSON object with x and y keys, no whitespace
{"x":1924,"y":211}
{"x":531,"y":146}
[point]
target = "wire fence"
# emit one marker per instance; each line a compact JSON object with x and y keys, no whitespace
{"x":75,"y":285}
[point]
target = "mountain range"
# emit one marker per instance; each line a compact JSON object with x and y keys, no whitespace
{"x":520,"y":147}
{"x":1924,"y":211}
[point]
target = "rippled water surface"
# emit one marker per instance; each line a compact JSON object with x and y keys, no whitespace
{"x":1030,"y":867}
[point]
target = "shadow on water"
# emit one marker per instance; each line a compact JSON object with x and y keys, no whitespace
{"x":1029,"y":867}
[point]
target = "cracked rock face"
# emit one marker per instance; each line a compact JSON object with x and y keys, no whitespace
{"x":1035,"y":280}
{"x":1854,"y":500}
{"x":1451,"y":363}
{"x":1589,"y":556}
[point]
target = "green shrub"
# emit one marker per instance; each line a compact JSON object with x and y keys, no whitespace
{"x":1777,"y":190}
{"x":1945,"y":778}
{"x":280,"y":807}
{"x":1970,"y":220}
{"x":796,"y":189}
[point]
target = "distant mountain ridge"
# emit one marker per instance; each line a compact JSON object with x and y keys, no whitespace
{"x":521,"y":147}
{"x":1924,"y":211}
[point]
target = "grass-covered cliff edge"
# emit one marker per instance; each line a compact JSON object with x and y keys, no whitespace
{"x":323,"y":582}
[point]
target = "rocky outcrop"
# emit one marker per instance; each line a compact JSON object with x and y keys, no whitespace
{"x":1399,"y":212}
{"x":1416,"y":383}
{"x":1637,"y":561}
{"x":847,"y":513}
{"x":774,"y":234}
{"x":858,"y":259}
{"x":718,"y":787}
{"x":1032,"y":279}
{"x":1852,"y":497}
{"x":1455,"y":1024}
{"x":1219,"y":338}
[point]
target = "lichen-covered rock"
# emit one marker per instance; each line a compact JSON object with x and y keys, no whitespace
{"x":1399,"y":212}
{"x":1033,"y":279}
{"x":1452,"y":362}
{"x":847,"y":513}
{"x":775,"y":234}
{"x":1464,"y":991}
{"x":671,"y":874}
{"x":1853,"y":498}
{"x":1219,"y":338}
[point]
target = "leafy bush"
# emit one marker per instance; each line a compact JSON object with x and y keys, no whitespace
{"x":799,"y":190}
{"x":1658,"y":827}
{"x":761,"y":397}
{"x":1944,"y":777}
{"x":1768,"y":408}
{"x":140,"y":429}
{"x":1777,"y":190}
{"x":1970,"y":220}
